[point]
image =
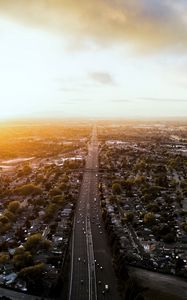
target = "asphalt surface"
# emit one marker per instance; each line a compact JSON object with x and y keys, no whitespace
{"x":91,"y":264}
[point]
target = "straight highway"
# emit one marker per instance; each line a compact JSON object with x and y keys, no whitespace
{"x":91,"y":276}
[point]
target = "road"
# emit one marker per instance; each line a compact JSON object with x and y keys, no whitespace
{"x":91,"y":261}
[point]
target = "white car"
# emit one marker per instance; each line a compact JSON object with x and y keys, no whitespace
{"x":106,"y":287}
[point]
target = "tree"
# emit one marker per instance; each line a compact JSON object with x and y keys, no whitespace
{"x":50,"y":211}
{"x":4,"y":258}
{"x":10,"y":215}
{"x":22,"y":259}
{"x":65,"y":178}
{"x":28,"y":189}
{"x":149,"y":218}
{"x":184,"y":225}
{"x":4,"y":219}
{"x":33,"y":275}
{"x":55,"y":192}
{"x":139,"y":179}
{"x":4,"y":227}
{"x":116,"y":188}
{"x":14,"y":206}
{"x":146,"y":197}
{"x":112,"y":199}
{"x":64,"y":186}
{"x":58,"y":199}
{"x":128,"y":183}
{"x":140,"y":165}
{"x":36,"y":242}
{"x":153,"y":207}
{"x":129,"y":217}
{"x":169,"y":238}
{"x":26,"y":170}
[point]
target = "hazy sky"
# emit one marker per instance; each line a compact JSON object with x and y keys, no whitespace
{"x":93,"y":58}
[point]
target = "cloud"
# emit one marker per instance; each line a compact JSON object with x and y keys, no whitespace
{"x":122,"y":100}
{"x":146,"y":24}
{"x":164,"y":99}
{"x":69,"y":90}
{"x":102,"y":77}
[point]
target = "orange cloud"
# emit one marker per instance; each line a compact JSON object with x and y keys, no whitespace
{"x":147,"y":24}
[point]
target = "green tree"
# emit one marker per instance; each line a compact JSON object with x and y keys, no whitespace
{"x":184,"y":226}
{"x":36,"y":242}
{"x":116,"y":188}
{"x":129,"y":217}
{"x":28,"y":189}
{"x":139,"y":179}
{"x":10,"y":215}
{"x":4,"y":219}
{"x":149,"y":218}
{"x":50,"y":211}
{"x":32,"y":275}
{"x":4,"y":227}
{"x":4,"y":258}
{"x":14,"y":206}
{"x":112,"y":199}
{"x":169,"y":238}
{"x":55,"y":192}
{"x":153,"y":207}
{"x":32,"y":271}
{"x":58,"y":199}
{"x":22,"y":259}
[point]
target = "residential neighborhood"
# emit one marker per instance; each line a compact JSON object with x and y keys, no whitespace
{"x":137,"y":195}
{"x":143,"y":186}
{"x":38,"y":198}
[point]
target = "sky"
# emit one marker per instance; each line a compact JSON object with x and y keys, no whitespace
{"x":95,"y":59}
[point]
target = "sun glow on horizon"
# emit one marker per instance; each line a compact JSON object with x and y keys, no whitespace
{"x":45,"y":74}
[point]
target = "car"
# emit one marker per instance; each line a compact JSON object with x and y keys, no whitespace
{"x":106,"y":287}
